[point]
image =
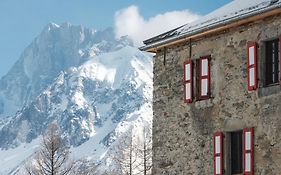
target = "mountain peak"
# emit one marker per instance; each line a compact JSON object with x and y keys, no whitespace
{"x":51,"y":26}
{"x":66,"y":27}
{"x":56,"y":49}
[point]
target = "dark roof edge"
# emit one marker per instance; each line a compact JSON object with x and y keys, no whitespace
{"x":209,"y":27}
{"x":148,"y":41}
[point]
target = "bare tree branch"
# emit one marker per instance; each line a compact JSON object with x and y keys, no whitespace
{"x":53,"y":156}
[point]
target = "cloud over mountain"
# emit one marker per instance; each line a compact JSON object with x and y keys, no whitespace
{"x":129,"y":22}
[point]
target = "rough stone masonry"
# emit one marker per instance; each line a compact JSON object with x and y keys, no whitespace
{"x":183,"y":132}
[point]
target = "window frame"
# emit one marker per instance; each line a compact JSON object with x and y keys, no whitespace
{"x":265,"y":62}
{"x":262,"y":67}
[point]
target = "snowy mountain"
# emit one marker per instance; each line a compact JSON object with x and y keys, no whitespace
{"x":56,"y":49}
{"x":95,"y":87}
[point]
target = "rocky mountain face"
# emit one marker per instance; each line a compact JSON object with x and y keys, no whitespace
{"x":95,"y":87}
{"x":56,"y":49}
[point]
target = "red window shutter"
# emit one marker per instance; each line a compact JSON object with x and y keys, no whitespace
{"x":204,"y":78}
{"x":188,"y":82}
{"x":248,"y":151}
{"x":252,"y":66}
{"x":218,"y":153}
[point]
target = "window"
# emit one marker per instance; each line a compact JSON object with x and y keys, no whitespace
{"x":197,"y":71}
{"x":237,"y":158}
{"x":236,"y":152}
{"x":272,"y":62}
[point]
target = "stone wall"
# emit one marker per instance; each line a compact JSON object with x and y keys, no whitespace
{"x":183,"y":133}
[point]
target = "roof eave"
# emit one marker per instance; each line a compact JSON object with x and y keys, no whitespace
{"x":213,"y":28}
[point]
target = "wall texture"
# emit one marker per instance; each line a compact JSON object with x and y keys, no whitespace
{"x":183,"y":133}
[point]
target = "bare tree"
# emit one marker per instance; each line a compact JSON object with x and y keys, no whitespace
{"x":135,"y":156}
{"x":53,"y":156}
{"x":145,"y":152}
{"x":125,"y":154}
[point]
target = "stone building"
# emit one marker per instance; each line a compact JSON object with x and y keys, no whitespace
{"x":217,"y":93}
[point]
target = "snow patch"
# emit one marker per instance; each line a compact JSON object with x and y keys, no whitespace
{"x":17,"y":156}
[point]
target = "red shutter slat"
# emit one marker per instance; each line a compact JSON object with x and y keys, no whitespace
{"x":252,"y":66}
{"x":218,"y":153}
{"x":204,"y":78}
{"x":188,"y":81}
{"x":248,"y":151}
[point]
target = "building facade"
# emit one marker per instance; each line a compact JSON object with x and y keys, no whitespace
{"x":217,"y":95}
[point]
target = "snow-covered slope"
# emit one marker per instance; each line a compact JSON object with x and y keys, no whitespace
{"x":94,"y":102}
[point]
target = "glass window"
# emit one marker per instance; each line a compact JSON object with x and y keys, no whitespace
{"x":236,"y":152}
{"x":272,"y":61}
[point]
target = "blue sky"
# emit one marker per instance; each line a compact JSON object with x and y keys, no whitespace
{"x":22,"y":20}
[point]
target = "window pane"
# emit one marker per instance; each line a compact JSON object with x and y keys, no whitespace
{"x":236,"y":152}
{"x":218,"y":165}
{"x":278,"y":63}
{"x":248,"y":162}
{"x":252,"y":77}
{"x":273,"y":51}
{"x":204,"y":67}
{"x":204,"y":87}
{"x":217,"y":144}
{"x":272,"y":62}
{"x":187,"y":72}
{"x":187,"y":91}
{"x":248,"y":141}
{"x":251,"y":56}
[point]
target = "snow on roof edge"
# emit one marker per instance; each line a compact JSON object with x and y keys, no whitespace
{"x":164,"y":40}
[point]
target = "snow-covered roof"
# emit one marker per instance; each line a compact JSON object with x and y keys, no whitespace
{"x":233,"y":11}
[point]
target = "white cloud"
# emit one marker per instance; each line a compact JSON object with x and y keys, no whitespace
{"x":129,"y":22}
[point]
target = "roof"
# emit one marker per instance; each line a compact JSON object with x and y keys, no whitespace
{"x":231,"y":12}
